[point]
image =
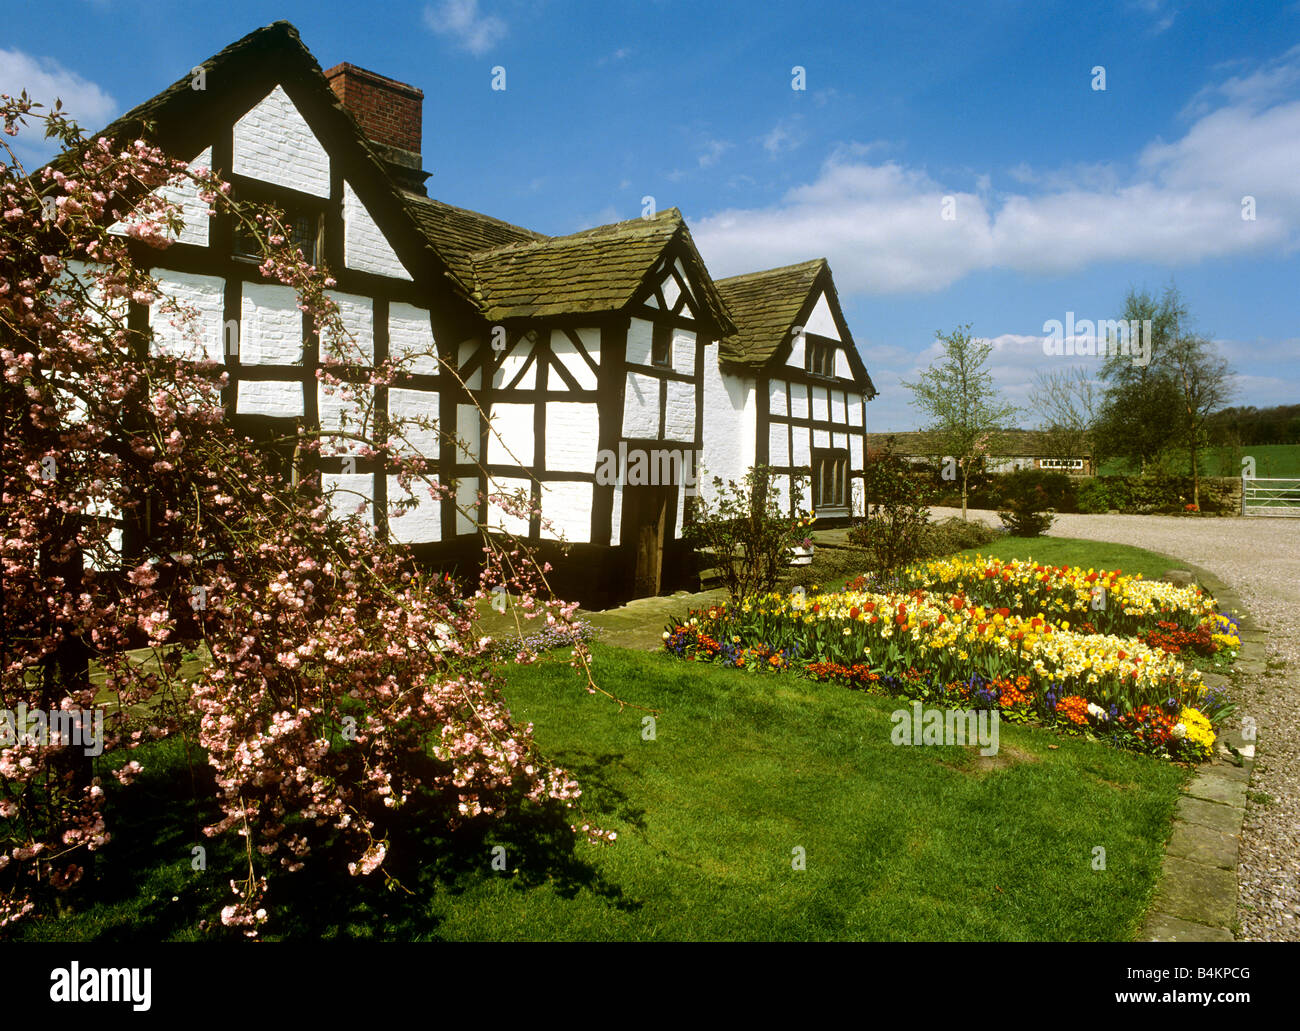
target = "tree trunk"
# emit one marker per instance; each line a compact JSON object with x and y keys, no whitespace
{"x":1196,"y":478}
{"x":964,"y":474}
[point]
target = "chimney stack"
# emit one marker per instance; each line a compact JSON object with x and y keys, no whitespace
{"x":390,"y":114}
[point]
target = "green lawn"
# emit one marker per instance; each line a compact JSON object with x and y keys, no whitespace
{"x":901,"y":843}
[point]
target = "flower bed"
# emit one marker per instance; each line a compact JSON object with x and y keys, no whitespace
{"x":1109,"y":601}
{"x":945,"y":648}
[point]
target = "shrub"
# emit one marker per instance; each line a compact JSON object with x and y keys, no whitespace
{"x":897,"y":512}
{"x":743,"y":526}
{"x":1025,"y":513}
{"x":953,"y":534}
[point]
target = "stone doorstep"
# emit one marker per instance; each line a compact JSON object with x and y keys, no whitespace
{"x":1197,"y":892}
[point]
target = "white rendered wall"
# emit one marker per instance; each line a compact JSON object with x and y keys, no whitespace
{"x":271,"y":325}
{"x":567,"y":355}
{"x":357,"y":314}
{"x":567,"y":506}
{"x":269,"y":397}
{"x":510,"y":435}
{"x":199,"y":339}
{"x":273,"y":143}
{"x":365,"y":247}
{"x":421,"y":525}
{"x":730,"y":424}
{"x":572,"y":436}
{"x":820,"y":321}
{"x":679,"y":412}
{"x":346,"y":492}
{"x":641,"y":405}
{"x":405,"y":404}
{"x":410,"y":336}
{"x":640,"y":341}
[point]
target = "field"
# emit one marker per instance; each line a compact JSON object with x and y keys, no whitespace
{"x":1271,"y":460}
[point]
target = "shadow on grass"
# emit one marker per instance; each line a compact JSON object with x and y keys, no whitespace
{"x":143,"y":886}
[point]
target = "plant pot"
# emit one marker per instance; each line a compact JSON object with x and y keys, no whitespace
{"x":801,"y":556}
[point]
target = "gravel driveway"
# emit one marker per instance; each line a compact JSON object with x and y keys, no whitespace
{"x":1260,"y":559}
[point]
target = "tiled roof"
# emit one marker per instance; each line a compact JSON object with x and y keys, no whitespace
{"x":764,"y":306}
{"x":457,"y":233}
{"x":595,"y":270}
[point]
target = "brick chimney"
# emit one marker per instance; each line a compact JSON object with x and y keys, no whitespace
{"x":390,"y":114}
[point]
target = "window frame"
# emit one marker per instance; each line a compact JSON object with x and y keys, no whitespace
{"x":824,"y":349}
{"x":293,"y":205}
{"x":661,"y":346}
{"x":838,"y":459}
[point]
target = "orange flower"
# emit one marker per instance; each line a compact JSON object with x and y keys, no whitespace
{"x":1073,"y":708}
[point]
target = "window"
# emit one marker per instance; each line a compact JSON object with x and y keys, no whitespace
{"x":819,"y":356}
{"x":661,"y":350}
{"x":1060,"y":463}
{"x":302,"y":221}
{"x":830,"y":479}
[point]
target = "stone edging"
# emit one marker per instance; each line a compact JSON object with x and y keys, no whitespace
{"x":1196,"y":899}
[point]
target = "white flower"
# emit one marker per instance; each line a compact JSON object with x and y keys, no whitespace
{"x":1180,"y":731}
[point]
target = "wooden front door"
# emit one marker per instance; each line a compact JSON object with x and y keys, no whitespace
{"x":647,"y":512}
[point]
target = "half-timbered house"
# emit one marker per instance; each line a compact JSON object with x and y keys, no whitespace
{"x":586,"y":372}
{"x":789,"y":391}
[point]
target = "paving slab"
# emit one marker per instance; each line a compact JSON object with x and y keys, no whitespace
{"x":1161,"y":927}
{"x":1218,"y":789}
{"x":1198,"y":893}
{"x":1215,"y":815}
{"x":1204,"y":845}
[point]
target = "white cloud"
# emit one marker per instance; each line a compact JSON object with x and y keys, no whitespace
{"x":783,"y":137}
{"x":712,"y":151}
{"x":882,"y":225}
{"x":45,"y":80}
{"x":467,"y":26}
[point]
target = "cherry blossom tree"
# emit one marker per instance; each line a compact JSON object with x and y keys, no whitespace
{"x":346,"y":683}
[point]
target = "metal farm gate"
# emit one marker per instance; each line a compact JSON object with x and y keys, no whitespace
{"x":1270,"y":497}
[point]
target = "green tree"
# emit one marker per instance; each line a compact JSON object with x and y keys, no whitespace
{"x":965,"y":410}
{"x":1136,"y":421}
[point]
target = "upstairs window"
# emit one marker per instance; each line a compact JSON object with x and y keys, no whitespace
{"x":819,"y":357}
{"x":303,"y":223}
{"x":661,"y":348}
{"x":830,"y":478}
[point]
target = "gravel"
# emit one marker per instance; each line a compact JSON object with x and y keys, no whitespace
{"x":1259,"y":558}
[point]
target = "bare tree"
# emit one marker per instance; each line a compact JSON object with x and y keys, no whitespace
{"x":1066,"y":403}
{"x":1205,"y":381}
{"x":965,"y":408}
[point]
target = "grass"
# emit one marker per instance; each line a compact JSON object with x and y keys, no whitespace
{"x":832,"y":568}
{"x":900,"y":843}
{"x":1271,"y":461}
{"x":1073,"y":551}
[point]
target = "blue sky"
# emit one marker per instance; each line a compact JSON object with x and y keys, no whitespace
{"x":1063,"y":195}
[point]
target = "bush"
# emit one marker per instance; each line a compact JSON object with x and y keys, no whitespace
{"x":1025,"y":513}
{"x":897,"y":512}
{"x":744,"y":528}
{"x":955,"y":534}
